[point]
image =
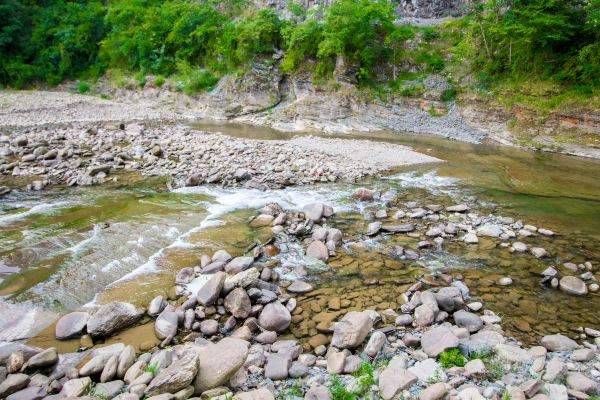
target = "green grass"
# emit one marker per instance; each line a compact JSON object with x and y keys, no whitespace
{"x":452,"y":358}
{"x":365,"y":378}
{"x":82,"y":87}
{"x":152,"y":368}
{"x":291,"y":392}
{"x":338,"y":390}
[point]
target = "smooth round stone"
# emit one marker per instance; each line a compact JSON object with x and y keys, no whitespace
{"x":505,"y":281}
{"x":71,"y":325}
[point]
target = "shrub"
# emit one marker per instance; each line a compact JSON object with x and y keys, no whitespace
{"x":82,"y":87}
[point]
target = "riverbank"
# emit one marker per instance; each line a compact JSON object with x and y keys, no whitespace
{"x":299,"y":106}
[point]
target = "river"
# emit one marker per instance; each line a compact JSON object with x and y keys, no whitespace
{"x":65,"y":248}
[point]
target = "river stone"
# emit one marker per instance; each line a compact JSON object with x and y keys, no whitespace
{"x":490,"y":230}
{"x":573,"y":285}
{"x":373,"y":228}
{"x":15,"y":362}
{"x":460,"y":208}
{"x":110,"y":369}
{"x":436,"y":391}
{"x":211,"y":289}
{"x":112,"y":317}
{"x":108,"y":390}
{"x":438,"y":339}
{"x":257,"y":394}
{"x":44,"y":359}
{"x":580,"y":382}
{"x":468,"y":320}
{"x":238,"y":264}
{"x":13,"y":383}
{"x":317,"y":392}
{"x":375,"y":344}
{"x":395,"y":378}
{"x":317,"y":250}
{"x":71,"y":325}
{"x":30,"y":393}
{"x":166,"y":324}
{"x":512,"y":353}
{"x":557,"y":392}
{"x":219,"y":362}
{"x":398,"y":228}
{"x":351,"y":330}
{"x":538,"y":252}
{"x":470,"y":393}
{"x":450,"y":298}
{"x":555,"y":369}
{"x":156,"y":306}
{"x":242,"y":279}
{"x":314,"y":211}
{"x":126,"y":360}
{"x":558,"y":342}
{"x":221,"y":256}
{"x":277,"y":367}
{"x":76,"y":387}
{"x":176,"y":376}
{"x":299,"y":287}
{"x":471,"y":238}
{"x":424,"y":315}
{"x":238,"y":303}
{"x":275,"y":317}
{"x":93,"y":366}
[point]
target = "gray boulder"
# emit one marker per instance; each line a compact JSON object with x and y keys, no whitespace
{"x":351,"y":330}
{"x":71,"y":325}
{"x":438,"y":339}
{"x":112,"y":317}
{"x":275,"y":317}
{"x":176,"y":376}
{"x":218,"y":362}
{"x":210,"y":291}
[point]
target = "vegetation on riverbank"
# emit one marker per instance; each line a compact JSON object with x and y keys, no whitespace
{"x":543,"y":54}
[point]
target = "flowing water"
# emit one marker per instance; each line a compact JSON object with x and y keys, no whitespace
{"x":66,"y":248}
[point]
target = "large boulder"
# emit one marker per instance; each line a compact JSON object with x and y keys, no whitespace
{"x":275,"y":317}
{"x":438,"y":339}
{"x":71,"y":325}
{"x":317,"y":250}
{"x":209,"y":292}
{"x":112,"y":317}
{"x":176,"y":376}
{"x":13,"y":383}
{"x":218,"y":362}
{"x":351,"y":330}
{"x":464,"y":319}
{"x":238,"y":264}
{"x":450,"y":298}
{"x":44,"y":359}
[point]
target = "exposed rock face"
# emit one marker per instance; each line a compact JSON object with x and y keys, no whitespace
{"x":218,"y":362}
{"x":433,"y":8}
{"x":112,"y":317}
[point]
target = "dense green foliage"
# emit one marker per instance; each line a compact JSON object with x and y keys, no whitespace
{"x":48,"y":41}
{"x":557,"y":39}
{"x":452,"y":358}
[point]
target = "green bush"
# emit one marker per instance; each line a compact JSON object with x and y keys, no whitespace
{"x":452,"y":358}
{"x":82,"y":87}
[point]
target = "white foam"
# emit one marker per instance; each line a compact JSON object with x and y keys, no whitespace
{"x":37,"y":209}
{"x":428,"y":180}
{"x":76,"y":248}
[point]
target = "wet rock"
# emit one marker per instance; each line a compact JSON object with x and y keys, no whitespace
{"x":398,"y":228}
{"x":373,"y":228}
{"x":364,"y":194}
{"x":13,"y":383}
{"x":211,"y":289}
{"x":71,"y":325}
{"x":112,"y":317}
{"x":176,"y":376}
{"x":218,"y":362}
{"x":438,"y":339}
{"x":558,"y":342}
{"x":76,"y":387}
{"x":314,"y":211}
{"x":470,"y":238}
{"x":573,"y":285}
{"x":505,"y":281}
{"x":299,"y":287}
{"x":238,"y":303}
{"x":468,"y":320}
{"x":538,"y":252}
{"x":261,"y":221}
{"x":490,"y":230}
{"x":351,"y":330}
{"x":317,"y":250}
{"x":275,"y":317}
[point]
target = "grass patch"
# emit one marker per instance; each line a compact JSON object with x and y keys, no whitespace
{"x":82,"y":87}
{"x":452,"y":358}
{"x":338,"y":390}
{"x":152,"y":368}
{"x":291,"y":392}
{"x":365,"y":378}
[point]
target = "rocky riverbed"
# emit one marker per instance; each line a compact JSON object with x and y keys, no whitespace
{"x":224,"y":330}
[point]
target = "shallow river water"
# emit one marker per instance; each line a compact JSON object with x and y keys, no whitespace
{"x":69,"y":247}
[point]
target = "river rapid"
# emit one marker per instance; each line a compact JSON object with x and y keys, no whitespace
{"x":67,"y":248}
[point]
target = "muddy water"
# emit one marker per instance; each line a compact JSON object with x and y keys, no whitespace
{"x":68,"y":248}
